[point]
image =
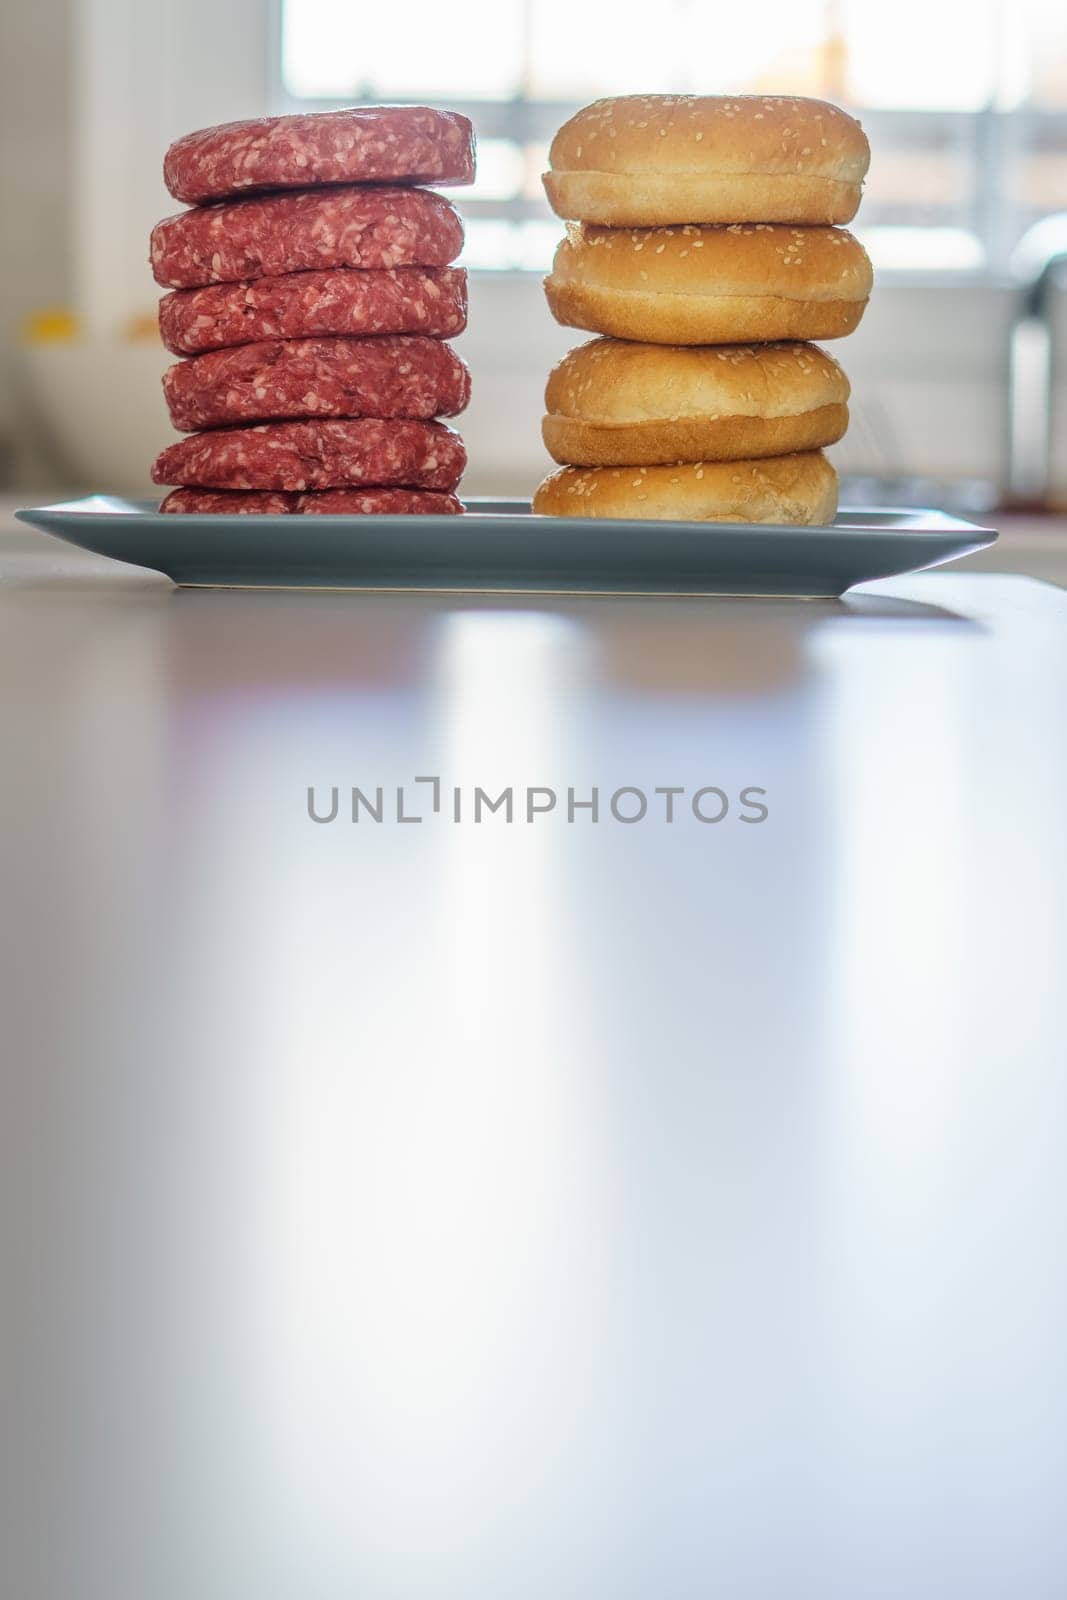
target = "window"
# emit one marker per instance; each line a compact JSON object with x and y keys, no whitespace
{"x":968,"y":121}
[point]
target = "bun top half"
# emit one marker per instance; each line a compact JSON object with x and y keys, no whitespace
{"x":666,"y":135}
{"x":760,"y":258}
{"x":621,"y":381}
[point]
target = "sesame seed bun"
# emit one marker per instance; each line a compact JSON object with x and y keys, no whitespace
{"x":644,"y":160}
{"x":738,"y":284}
{"x":799,"y":489}
{"x":613,"y":402}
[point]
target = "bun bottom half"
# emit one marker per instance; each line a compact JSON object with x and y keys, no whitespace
{"x":799,"y":489}
{"x":648,"y":200}
{"x":572,"y":441}
{"x":674,"y":318}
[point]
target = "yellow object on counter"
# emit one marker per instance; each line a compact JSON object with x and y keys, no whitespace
{"x":57,"y":325}
{"x":141,"y":328}
{"x":51,"y":325}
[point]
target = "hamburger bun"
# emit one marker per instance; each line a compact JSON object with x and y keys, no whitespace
{"x":646,"y":160}
{"x":799,"y":489}
{"x":710,"y":285}
{"x":613,"y":402}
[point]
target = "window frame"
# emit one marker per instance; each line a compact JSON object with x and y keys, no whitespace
{"x":997,"y":137}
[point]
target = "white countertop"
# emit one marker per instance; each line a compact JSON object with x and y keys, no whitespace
{"x":536,"y":1209}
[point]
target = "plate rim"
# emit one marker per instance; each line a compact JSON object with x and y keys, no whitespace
{"x":948,"y":525}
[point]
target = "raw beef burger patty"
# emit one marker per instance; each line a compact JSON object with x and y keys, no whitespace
{"x":304,"y":231}
{"x":397,"y":375}
{"x":379,"y":503}
{"x":317,"y":455}
{"x":411,"y":144}
{"x":234,"y":503}
{"x":328,"y":502}
{"x":301,"y":305}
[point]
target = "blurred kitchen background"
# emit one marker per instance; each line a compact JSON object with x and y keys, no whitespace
{"x":959,"y":369}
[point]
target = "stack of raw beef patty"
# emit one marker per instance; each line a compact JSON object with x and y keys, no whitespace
{"x":313,"y":293}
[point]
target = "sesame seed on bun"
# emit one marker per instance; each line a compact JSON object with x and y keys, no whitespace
{"x":646,"y":160}
{"x":795,"y":489}
{"x":614,"y":402}
{"x":691,"y":284}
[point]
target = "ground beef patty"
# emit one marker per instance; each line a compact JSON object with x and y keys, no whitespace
{"x":328,"y":502}
{"x":397,"y":375}
{"x":317,"y":455}
{"x":304,"y":231}
{"x":380,"y":503}
{"x":231,"y":503}
{"x":368,"y":144}
{"x":301,"y":305}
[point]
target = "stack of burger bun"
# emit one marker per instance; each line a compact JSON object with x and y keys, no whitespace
{"x":312,"y":292}
{"x":703,"y":246}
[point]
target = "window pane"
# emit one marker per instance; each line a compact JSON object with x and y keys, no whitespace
{"x":415,"y":51}
{"x":490,"y":245}
{"x":1043,"y":25}
{"x":496,"y":245}
{"x":924,"y":174}
{"x":317,"y":48}
{"x":536,"y":166}
{"x":581,"y":51}
{"x":963,"y":102}
{"x":500,"y":175}
{"x":922,"y":249}
{"x":1040,"y":178}
{"x":916,"y":53}
{"x":768,"y":47}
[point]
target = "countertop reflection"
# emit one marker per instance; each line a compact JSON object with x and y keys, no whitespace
{"x":572,"y":1207}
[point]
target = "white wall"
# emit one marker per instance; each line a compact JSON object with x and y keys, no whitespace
{"x":35,"y":236}
{"x":146,"y":71}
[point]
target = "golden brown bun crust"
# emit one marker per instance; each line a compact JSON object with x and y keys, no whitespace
{"x":612,"y":402}
{"x":710,"y":285}
{"x":641,"y":160}
{"x":799,"y":489}
{"x":759,"y":258}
